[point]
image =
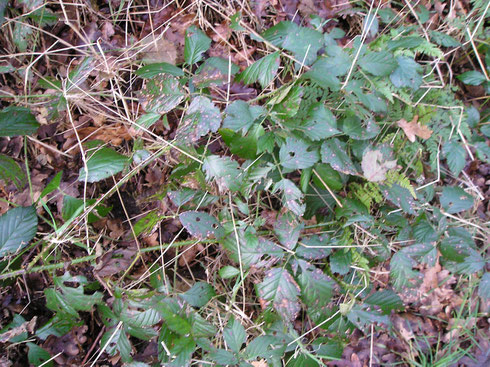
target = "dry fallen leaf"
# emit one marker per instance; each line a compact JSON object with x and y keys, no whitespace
{"x":413,"y":128}
{"x":374,"y":166}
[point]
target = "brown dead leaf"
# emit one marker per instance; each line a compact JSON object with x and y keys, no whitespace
{"x":27,"y":326}
{"x":189,"y":254}
{"x":114,"y":262}
{"x":160,"y":50}
{"x":414,"y":128}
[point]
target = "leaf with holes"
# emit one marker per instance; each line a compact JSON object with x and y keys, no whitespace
{"x":292,"y":197}
{"x":224,"y":170}
{"x":102,"y":164}
{"x":17,"y":121}
{"x":320,"y":123}
{"x":455,"y":200}
{"x":407,"y":74}
{"x":378,"y":63}
{"x":196,"y":43}
{"x":455,"y":156}
{"x":263,"y":70}
{"x":201,"y":225}
{"x":161,"y":94}
{"x":333,"y":152}
{"x":199,"y":295}
{"x":281,"y":289}
{"x":202,"y":117}
{"x":17,"y":227}
{"x":296,"y":154}
{"x":241,"y":116}
{"x":11,"y":172}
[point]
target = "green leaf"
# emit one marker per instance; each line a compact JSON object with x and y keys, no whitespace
{"x":228,"y":272}
{"x":401,"y":271}
{"x":361,"y":318}
{"x":161,"y":94}
{"x":484,"y":287}
{"x":386,"y":299}
{"x":224,"y":170}
{"x":407,"y":74}
{"x":202,"y":117}
{"x":263,"y":70}
{"x":320,"y":123}
{"x":53,"y":185}
{"x":328,"y":175}
{"x":181,"y":197}
{"x":334,"y":153}
{"x":316,"y":287}
{"x":287,"y":228}
{"x":151,"y":70}
{"x":70,"y":300}
{"x":303,"y":42}
{"x":21,"y":35}
{"x":223,"y":357}
{"x":170,"y":311}
{"x":314,"y":247}
{"x":378,"y":63}
{"x":17,"y":121}
{"x":10,"y":171}
{"x":424,"y":232}
{"x":199,"y":295}
{"x":241,"y":116}
{"x":455,"y":199}
{"x":296,"y":154}
{"x":196,"y":43}
{"x":102,"y":164}
{"x":400,"y":196}
{"x":147,"y":120}
{"x":292,"y":197}
{"x":242,"y":146}
{"x":280,"y":288}
{"x":17,"y":227}
{"x":340,"y":262}
{"x":234,"y":335}
{"x":472,"y":77}
{"x":443,"y":39}
{"x":455,"y":156}
{"x":115,"y":342}
{"x":38,"y":356}
{"x":405,"y":42}
{"x":72,"y":207}
{"x":201,"y":224}
{"x":353,"y":127}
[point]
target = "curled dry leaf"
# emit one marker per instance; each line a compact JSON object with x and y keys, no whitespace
{"x":414,"y":128}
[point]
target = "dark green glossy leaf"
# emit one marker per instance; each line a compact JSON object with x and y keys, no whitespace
{"x":196,"y":43}
{"x":386,"y":299}
{"x":17,"y":121}
{"x":10,"y":172}
{"x":340,"y":261}
{"x":263,"y":70}
{"x":378,"y":63}
{"x":102,"y":164}
{"x":17,"y":227}
{"x":38,"y":356}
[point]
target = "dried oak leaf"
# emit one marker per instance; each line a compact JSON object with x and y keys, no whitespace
{"x":414,"y":128}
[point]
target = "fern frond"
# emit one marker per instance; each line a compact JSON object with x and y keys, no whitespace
{"x":399,"y":178}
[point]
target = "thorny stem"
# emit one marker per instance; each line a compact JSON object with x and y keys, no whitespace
{"x":88,"y":258}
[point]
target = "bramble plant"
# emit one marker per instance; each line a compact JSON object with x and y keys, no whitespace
{"x":283,"y":205}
